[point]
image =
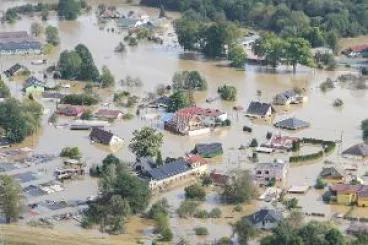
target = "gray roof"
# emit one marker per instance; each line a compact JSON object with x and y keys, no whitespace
{"x":169,"y":169}
{"x":292,"y":124}
{"x":208,"y":148}
{"x":18,"y":40}
{"x":10,"y":72}
{"x":286,"y":95}
{"x":330,"y":172}
{"x":360,"y":150}
{"x":164,"y":100}
{"x":258,"y":108}
{"x":33,"y":81}
{"x":272,"y":165}
{"x":53,"y":95}
{"x":127,"y":22}
{"x":265,"y":215}
{"x":101,"y":135}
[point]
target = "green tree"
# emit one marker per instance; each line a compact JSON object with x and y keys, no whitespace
{"x":146,"y":142}
{"x":227,"y":92}
{"x":88,"y":69}
{"x":4,"y":90}
{"x":71,"y":152}
{"x":69,"y":64}
{"x":159,"y":160}
{"x":297,"y":50}
{"x":188,"y":80}
{"x":195,"y":192}
{"x":240,"y":190}
{"x":69,"y":9}
{"x":332,"y":39}
{"x":283,"y":234}
{"x":361,"y":239}
{"x":237,"y":56}
{"x":179,"y":100}
{"x":188,"y":33}
{"x":271,"y":47}
{"x":11,"y":199}
{"x":110,"y":159}
{"x":52,"y":35}
{"x":107,"y":78}
{"x":245,"y":231}
{"x":218,"y":36}
{"x":36,"y":29}
{"x":291,"y":203}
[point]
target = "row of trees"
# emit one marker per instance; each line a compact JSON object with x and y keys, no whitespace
{"x":321,"y":22}
{"x":20,"y":119}
{"x":292,"y":50}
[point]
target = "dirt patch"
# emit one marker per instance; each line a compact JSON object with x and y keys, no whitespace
{"x":346,"y":43}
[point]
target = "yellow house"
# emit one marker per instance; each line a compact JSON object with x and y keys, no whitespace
{"x":349,"y":194}
{"x":363,"y":199}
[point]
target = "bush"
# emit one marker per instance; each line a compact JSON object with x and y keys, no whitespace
{"x":269,"y":135}
{"x":159,"y":207}
{"x":226,"y":123}
{"x":187,"y":209}
{"x":128,"y":116}
{"x":202,"y":214}
{"x":224,"y":241}
{"x":195,"y":192}
{"x":215,"y":213}
{"x":364,"y":71}
{"x":238,"y":208}
{"x":201,"y":231}
{"x":71,"y":152}
{"x":79,"y":99}
{"x":206,"y":180}
{"x":338,"y":103}
{"x":227,"y":92}
{"x":326,"y":85}
{"x":95,"y":171}
{"x":320,"y":184}
{"x":247,"y":129}
{"x":53,"y":118}
{"x":253,"y":143}
{"x":166,"y":235}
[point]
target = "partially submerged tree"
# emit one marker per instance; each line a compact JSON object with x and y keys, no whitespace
{"x":36,"y":29}
{"x":146,"y":142}
{"x":52,"y":35}
{"x":107,"y":79}
{"x":11,"y":198}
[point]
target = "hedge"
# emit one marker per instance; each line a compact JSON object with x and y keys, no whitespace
{"x":308,"y":157}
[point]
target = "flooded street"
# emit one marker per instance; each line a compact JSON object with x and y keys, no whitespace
{"x":156,"y":64}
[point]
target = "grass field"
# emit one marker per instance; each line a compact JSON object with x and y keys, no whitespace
{"x":24,"y":235}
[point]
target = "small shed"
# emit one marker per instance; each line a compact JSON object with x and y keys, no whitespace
{"x":292,"y":124}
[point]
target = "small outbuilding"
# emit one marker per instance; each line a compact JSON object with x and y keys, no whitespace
{"x":291,"y":124}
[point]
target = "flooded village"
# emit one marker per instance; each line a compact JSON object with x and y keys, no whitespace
{"x":282,"y":143}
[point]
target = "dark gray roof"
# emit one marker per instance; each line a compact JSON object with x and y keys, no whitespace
{"x":330,"y":172}
{"x":33,"y":81}
{"x":169,"y":169}
{"x":258,"y":108}
{"x":360,"y":150}
{"x":101,"y":135}
{"x":164,"y":100}
{"x":265,"y":215}
{"x":10,"y":72}
{"x":292,"y":124}
{"x":127,"y":22}
{"x":208,"y":148}
{"x":53,"y":95}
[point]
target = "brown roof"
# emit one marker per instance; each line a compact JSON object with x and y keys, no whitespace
{"x":108,"y":113}
{"x":346,"y":188}
{"x":201,"y":111}
{"x":195,"y":159}
{"x":219,"y":179}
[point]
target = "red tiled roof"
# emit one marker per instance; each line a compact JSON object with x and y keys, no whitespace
{"x":200,"y":111}
{"x":218,"y":178}
{"x":196,"y":158}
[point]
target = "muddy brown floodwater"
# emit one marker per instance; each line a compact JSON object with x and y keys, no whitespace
{"x":156,"y":64}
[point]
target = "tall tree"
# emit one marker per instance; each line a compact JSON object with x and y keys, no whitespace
{"x":88,"y":69}
{"x":36,"y":29}
{"x":146,"y":142}
{"x":69,"y":64}
{"x":188,"y":33}
{"x":69,"y":9}
{"x":159,"y":160}
{"x":245,"y":231}
{"x":271,"y":47}
{"x":297,"y":51}
{"x":11,"y":199}
{"x":52,"y":35}
{"x":179,"y":100}
{"x":107,"y":79}
{"x":237,"y":56}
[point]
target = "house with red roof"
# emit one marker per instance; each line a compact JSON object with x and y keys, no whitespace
{"x":198,"y":163}
{"x":109,"y":114}
{"x":210,"y":117}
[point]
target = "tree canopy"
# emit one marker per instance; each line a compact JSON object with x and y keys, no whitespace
{"x":179,"y":100}
{"x":52,"y":35}
{"x":146,"y":142}
{"x":11,"y":199}
{"x":69,"y":64}
{"x":188,"y":80}
{"x":237,"y":56}
{"x":88,"y":69}
{"x":20,"y":119}
{"x":69,"y":9}
{"x":107,"y":79}
{"x":227,"y":92}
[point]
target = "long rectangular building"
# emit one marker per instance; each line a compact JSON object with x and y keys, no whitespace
{"x":16,"y":43}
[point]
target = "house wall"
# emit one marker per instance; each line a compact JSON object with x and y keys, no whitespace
{"x":266,"y":225}
{"x":346,"y":198}
{"x":20,"y":51}
{"x":199,"y":131}
{"x":362,"y":201}
{"x":116,"y":140}
{"x":34,"y":90}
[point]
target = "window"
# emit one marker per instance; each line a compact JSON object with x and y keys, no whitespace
{"x":267,"y":172}
{"x":259,"y":172}
{"x":267,"y":179}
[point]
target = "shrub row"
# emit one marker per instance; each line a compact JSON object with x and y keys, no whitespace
{"x":308,"y":157}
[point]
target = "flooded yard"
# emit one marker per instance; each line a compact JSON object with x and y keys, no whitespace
{"x":156,"y":64}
